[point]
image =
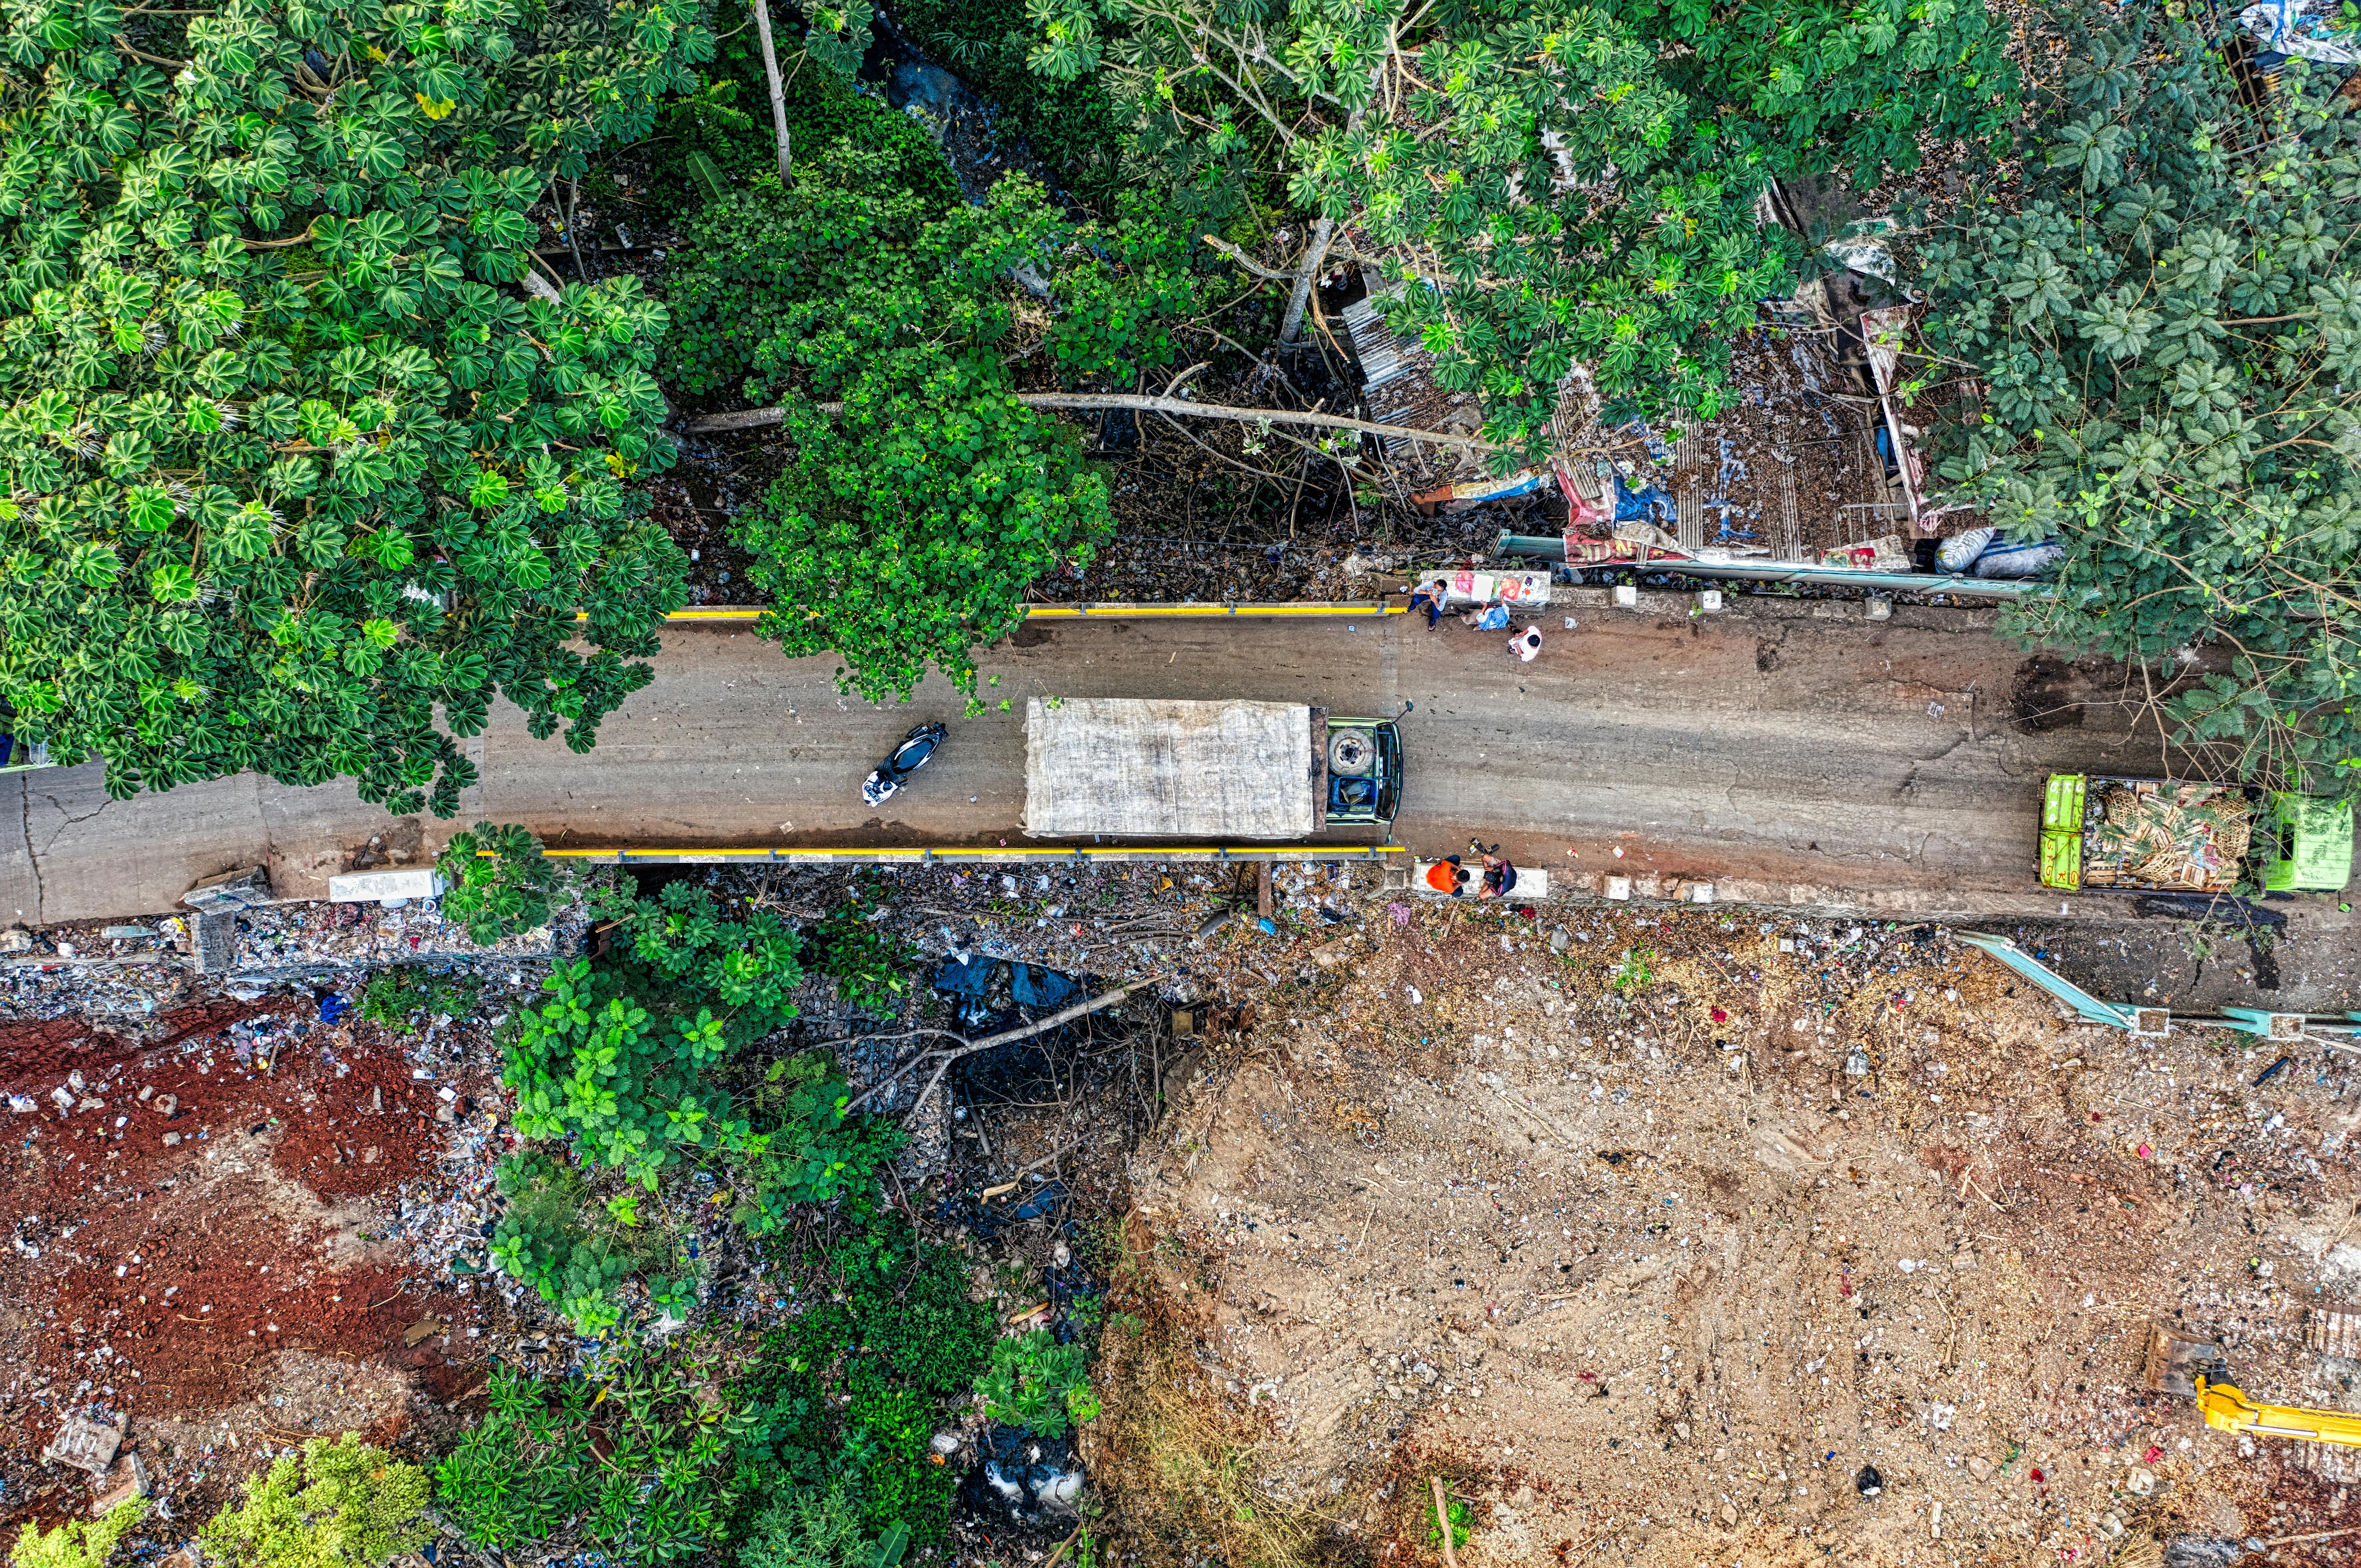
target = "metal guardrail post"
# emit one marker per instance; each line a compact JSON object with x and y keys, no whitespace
{"x":2089,"y":1008}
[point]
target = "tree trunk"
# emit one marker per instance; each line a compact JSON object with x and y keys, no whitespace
{"x":778,"y":91}
{"x":749,"y":419}
{"x":1316,"y":258}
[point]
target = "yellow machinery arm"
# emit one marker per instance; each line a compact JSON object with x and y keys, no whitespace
{"x":2226,"y":1409}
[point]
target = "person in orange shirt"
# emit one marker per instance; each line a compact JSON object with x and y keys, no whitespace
{"x":1448,"y":876}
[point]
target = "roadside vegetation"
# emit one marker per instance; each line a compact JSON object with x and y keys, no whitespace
{"x":318,"y":435}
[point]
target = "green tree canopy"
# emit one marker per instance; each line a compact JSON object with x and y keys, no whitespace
{"x":922,"y":497}
{"x":2168,"y":329}
{"x":283,"y":469}
{"x":1550,"y":184}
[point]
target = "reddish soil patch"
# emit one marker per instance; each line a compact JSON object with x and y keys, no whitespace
{"x":31,"y":1046}
{"x":194,"y":1213}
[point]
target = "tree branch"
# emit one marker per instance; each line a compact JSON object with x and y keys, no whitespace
{"x":1248,"y":262}
{"x":752,"y":419}
{"x":969,"y":1047}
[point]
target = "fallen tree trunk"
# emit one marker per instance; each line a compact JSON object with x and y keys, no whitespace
{"x":752,"y":419}
{"x":969,"y":1047}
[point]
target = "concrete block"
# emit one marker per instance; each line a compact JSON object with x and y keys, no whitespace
{"x":1879,"y":610}
{"x":85,"y":1444}
{"x":231,"y":890}
{"x":1708,"y":600}
{"x":127,"y":1479}
{"x":1618,"y":888}
{"x":1627,"y":596}
{"x":216,"y":942}
{"x":377,"y":887}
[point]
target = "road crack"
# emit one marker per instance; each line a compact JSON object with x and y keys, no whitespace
{"x":40,"y":888}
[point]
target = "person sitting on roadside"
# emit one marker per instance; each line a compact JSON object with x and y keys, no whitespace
{"x":1500,"y":876}
{"x":1428,"y":597}
{"x":1448,"y":876}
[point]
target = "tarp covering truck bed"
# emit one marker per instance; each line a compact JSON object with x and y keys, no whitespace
{"x":1143,"y":767}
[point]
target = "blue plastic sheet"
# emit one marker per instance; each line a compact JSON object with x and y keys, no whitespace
{"x":1035,"y":987}
{"x":965,"y":977}
{"x":1650,"y":503}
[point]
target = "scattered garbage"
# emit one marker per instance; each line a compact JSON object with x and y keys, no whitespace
{"x":1990,"y":553}
{"x":2308,"y":27}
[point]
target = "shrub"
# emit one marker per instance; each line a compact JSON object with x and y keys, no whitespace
{"x":924,"y":1325}
{"x":2163,"y":315}
{"x":341,"y":1504}
{"x":869,"y":964}
{"x":544,"y":1241}
{"x":726,"y":119}
{"x":77,"y":1544}
{"x":1036,"y":1383}
{"x":1073,"y":127}
{"x":496,"y":882}
{"x":637,"y":1464}
{"x":810,"y":1530}
{"x":888,"y":1437}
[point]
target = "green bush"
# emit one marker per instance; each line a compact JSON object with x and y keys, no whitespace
{"x":810,"y":1529}
{"x":619,"y":1055}
{"x":77,"y":1544}
{"x":923,"y":1325}
{"x":547,"y":1240}
{"x":288,"y":483}
{"x":1036,"y":1383}
{"x":639,"y":1464}
{"x":496,"y":882}
{"x":889,"y":1431}
{"x":393,"y":995}
{"x":756,"y":252}
{"x":341,"y":1504}
{"x":2165,"y":316}
{"x":726,"y":118}
{"x":805,"y":1149}
{"x":869,"y":964}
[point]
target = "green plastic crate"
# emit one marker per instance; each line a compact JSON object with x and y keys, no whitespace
{"x":2061,"y":860}
{"x":2061,"y":805}
{"x":2316,"y":835}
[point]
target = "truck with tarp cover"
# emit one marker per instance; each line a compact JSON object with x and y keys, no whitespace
{"x":1231,"y":771}
{"x":2182,"y":835}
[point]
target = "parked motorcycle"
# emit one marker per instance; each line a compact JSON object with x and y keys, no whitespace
{"x":912,"y":753}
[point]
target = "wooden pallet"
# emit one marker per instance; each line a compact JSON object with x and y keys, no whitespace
{"x":1384,"y":357}
{"x":2333,"y":1330}
{"x":1789,"y":546}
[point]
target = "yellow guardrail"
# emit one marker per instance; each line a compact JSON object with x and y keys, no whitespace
{"x":721,"y":613}
{"x":929,"y":854}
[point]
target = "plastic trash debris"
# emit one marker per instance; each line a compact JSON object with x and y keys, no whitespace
{"x":2308,"y":27}
{"x":1033,"y":986}
{"x":1987,"y":552}
{"x":1868,"y":1483}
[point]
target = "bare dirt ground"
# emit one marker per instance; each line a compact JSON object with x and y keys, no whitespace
{"x":211,"y":1238}
{"x":1648,"y":1275}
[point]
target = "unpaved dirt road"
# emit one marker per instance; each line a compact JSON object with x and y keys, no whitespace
{"x":1648,"y":1275}
{"x":1787,"y":752}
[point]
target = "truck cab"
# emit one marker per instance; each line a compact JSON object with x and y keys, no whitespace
{"x":1361,"y":772}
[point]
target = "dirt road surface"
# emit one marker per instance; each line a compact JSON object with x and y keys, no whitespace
{"x":1687,"y":1247}
{"x":1787,"y":752}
